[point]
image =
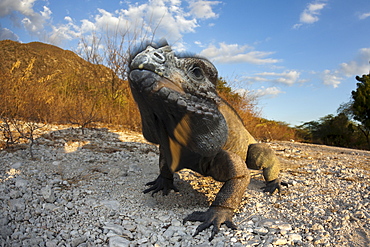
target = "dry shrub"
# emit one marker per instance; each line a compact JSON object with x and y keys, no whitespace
{"x":246,"y":107}
{"x":65,"y":98}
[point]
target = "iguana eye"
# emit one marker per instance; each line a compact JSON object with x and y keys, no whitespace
{"x":196,"y":73}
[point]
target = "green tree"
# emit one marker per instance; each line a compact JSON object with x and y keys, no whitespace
{"x":361,"y":105}
{"x":330,"y":130}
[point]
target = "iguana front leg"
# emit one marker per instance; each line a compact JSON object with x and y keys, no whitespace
{"x":229,"y":168}
{"x":164,"y":181}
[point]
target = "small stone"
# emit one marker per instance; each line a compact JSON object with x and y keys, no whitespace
{"x":4,"y":221}
{"x":129,"y":227}
{"x":69,"y":205}
{"x":117,"y":229}
{"x":317,"y":226}
{"x":48,"y":194}
{"x":111,"y":234}
{"x":53,"y":243}
{"x":142,"y":241}
{"x":5,"y":232}
{"x":294,"y":237}
{"x":164,"y":218}
{"x":56,"y":163}
{"x":32,"y":242}
{"x":320,"y":241}
{"x":359,"y":214}
{"x":268,"y":223}
{"x":77,"y":241}
{"x":309,"y":238}
{"x":17,"y":204}
{"x":261,"y":230}
{"x":15,"y":194}
{"x":176,"y":222}
{"x":134,"y":169}
{"x":17,"y":165}
{"x":168,"y":233}
{"x":280,"y":241}
{"x":113,"y":204}
{"x":21,"y":183}
{"x":127,"y":234}
{"x":50,"y":207}
{"x":117,"y":241}
{"x":285,"y":227}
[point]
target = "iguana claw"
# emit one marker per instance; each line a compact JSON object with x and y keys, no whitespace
{"x":274,"y":185}
{"x":213,"y":216}
{"x":161,"y":183}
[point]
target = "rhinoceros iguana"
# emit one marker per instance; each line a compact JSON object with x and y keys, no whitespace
{"x":196,"y":129}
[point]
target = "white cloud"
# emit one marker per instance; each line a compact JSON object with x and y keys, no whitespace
{"x":24,"y":7}
{"x":331,"y":78}
{"x":310,"y":14}
{"x":34,"y":22}
{"x":68,"y":18}
{"x":364,"y":16}
{"x":7,"y":34}
{"x":198,"y":43}
{"x":287,"y":77}
{"x":234,"y":53}
{"x":86,"y":26}
{"x":268,"y":92}
{"x":203,"y":9}
{"x":46,"y":13}
{"x":68,"y":31}
{"x":162,"y":18}
{"x":358,"y":66}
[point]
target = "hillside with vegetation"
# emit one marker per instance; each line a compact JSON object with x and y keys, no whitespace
{"x":41,"y":82}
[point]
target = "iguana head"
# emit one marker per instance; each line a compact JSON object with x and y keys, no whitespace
{"x":188,"y":82}
{"x":177,"y":98}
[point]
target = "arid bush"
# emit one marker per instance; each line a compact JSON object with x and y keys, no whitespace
{"x":66,"y":97}
{"x":246,"y":107}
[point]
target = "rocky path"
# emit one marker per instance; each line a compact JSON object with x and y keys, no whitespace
{"x":86,"y":190}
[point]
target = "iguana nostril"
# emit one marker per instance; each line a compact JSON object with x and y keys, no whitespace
{"x":159,"y":57}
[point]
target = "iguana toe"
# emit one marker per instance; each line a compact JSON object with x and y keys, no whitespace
{"x":274,"y":185}
{"x":214,"y":216}
{"x":161,"y":183}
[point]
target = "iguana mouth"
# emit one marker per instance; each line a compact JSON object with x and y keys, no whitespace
{"x":150,"y":83}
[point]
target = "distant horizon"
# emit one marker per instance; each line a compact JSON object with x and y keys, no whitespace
{"x":300,"y":58}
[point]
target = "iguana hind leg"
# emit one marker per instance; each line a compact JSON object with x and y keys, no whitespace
{"x":260,"y":156}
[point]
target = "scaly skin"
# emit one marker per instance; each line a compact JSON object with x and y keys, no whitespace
{"x":195,"y":129}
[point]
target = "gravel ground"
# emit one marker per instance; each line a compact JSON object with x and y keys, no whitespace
{"x":86,"y":190}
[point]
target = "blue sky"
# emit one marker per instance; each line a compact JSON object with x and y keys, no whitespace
{"x":299,"y":57}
